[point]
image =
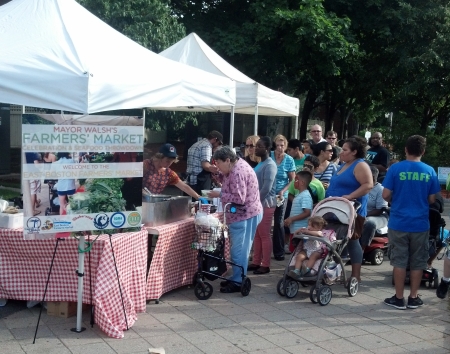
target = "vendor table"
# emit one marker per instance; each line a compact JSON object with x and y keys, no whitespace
{"x":174,"y":262}
{"x":24,"y":267}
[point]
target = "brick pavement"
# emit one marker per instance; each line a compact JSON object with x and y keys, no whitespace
{"x":261,"y":323}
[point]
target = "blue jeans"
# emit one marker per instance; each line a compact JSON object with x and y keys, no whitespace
{"x":371,"y":225}
{"x":354,"y":251}
{"x":242,"y":234}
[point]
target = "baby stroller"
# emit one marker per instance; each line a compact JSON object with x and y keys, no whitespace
{"x":210,"y":243}
{"x":340,"y":215}
{"x":53,"y":209}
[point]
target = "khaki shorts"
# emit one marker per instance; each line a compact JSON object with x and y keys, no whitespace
{"x":408,"y":248}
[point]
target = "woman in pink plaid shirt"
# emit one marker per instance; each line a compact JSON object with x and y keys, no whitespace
{"x":240,"y":187}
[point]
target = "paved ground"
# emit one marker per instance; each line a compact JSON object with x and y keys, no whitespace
{"x":261,"y":323}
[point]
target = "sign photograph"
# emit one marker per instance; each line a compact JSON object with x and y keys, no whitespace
{"x":80,"y":177}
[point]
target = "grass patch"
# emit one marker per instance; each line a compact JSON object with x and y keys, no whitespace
{"x":7,"y":194}
{"x":10,"y":183}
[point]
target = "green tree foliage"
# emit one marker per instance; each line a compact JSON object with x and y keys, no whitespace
{"x":147,"y":22}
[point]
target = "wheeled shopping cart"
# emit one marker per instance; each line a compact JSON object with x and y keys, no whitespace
{"x":210,"y":243}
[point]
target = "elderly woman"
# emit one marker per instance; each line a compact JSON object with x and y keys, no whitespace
{"x":353,"y":181}
{"x":250,"y":155}
{"x":265,"y":171}
{"x":158,"y":175}
{"x":326,"y":169}
{"x":240,"y":187}
{"x":376,"y":215}
{"x":285,"y":174}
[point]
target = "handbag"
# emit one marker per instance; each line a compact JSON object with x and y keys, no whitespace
{"x":359,"y":224}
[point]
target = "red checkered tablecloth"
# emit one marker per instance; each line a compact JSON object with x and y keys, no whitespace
{"x":174,"y":262}
{"x":24,"y":267}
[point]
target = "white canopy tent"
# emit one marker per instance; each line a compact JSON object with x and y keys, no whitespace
{"x":85,"y":119}
{"x":55,"y":54}
{"x":251,"y":97}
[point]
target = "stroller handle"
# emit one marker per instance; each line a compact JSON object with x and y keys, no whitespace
{"x":356,"y":205}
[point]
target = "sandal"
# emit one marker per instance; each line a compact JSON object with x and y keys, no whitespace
{"x":230,"y":288}
{"x":38,"y":203}
{"x":36,"y":212}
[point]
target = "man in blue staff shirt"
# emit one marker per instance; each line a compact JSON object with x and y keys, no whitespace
{"x":410,"y":186}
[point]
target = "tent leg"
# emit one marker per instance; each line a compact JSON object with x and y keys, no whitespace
{"x":231,"y":126}
{"x":256,"y":120}
{"x":80,"y":273}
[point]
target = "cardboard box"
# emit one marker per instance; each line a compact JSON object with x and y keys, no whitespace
{"x":63,"y":309}
{"x":11,"y":221}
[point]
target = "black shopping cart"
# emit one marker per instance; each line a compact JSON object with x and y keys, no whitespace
{"x":209,"y":241}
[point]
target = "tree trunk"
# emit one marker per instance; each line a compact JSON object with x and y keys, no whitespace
{"x":310,"y":99}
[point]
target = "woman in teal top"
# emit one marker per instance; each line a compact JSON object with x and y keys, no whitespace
{"x":285,"y":174}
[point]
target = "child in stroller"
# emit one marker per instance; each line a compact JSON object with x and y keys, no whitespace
{"x":340,"y":214}
{"x":312,"y":250}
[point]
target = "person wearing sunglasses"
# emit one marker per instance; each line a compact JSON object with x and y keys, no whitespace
{"x":250,"y":156}
{"x":316,"y":134}
{"x":331,"y":138}
{"x":378,"y":155}
{"x":326,"y":170}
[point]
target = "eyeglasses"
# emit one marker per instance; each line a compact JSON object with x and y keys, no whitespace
{"x":316,"y":131}
{"x":331,"y":138}
{"x":249,"y":146}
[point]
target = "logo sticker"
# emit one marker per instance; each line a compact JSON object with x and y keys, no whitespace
{"x":48,"y":225}
{"x":101,"y":221}
{"x":33,"y":224}
{"x":117,"y":220}
{"x":134,"y":218}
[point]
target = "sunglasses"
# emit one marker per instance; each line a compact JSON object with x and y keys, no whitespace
{"x":308,"y":166}
{"x":329,"y":150}
{"x":331,"y":138}
{"x":316,"y":131}
{"x":249,"y":146}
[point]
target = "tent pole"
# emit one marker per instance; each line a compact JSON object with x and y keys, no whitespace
{"x":256,"y":120}
{"x":232,"y":126}
{"x":296,"y":128}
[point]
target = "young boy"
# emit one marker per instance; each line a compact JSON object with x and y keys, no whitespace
{"x":302,"y":203}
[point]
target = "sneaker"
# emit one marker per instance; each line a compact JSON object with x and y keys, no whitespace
{"x":414,"y":303}
{"x":394,"y":302}
{"x":294,"y":274}
{"x":286,"y":249}
{"x":442,"y":290}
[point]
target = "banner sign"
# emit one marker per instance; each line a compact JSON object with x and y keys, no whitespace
{"x":79,"y":177}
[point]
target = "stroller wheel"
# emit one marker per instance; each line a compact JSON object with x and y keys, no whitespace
{"x":353,"y":286}
{"x":280,"y":287}
{"x":246,"y":286}
{"x":324,"y":295}
{"x":203,"y":291}
{"x":313,"y":294}
{"x":290,"y":288}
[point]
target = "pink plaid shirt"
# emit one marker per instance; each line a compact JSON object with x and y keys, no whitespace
{"x":241,"y":187}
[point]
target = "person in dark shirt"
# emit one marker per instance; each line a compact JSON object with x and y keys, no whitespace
{"x":378,"y":155}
